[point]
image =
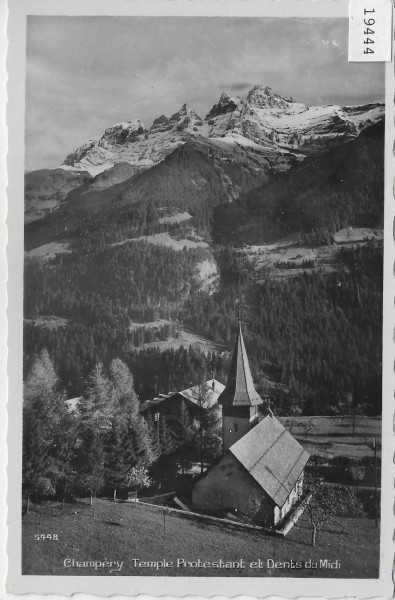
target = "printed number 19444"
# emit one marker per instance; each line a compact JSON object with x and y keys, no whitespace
{"x":369,"y":22}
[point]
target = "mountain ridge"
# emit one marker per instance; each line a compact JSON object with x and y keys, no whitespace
{"x":263,"y":121}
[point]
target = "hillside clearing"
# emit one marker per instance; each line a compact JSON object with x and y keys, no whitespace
{"x":123,"y":532}
{"x":326,"y":257}
{"x":164,"y":239}
{"x":150,"y":324}
{"x":176,"y":218}
{"x":47,"y":251}
{"x":185,"y":339}
{"x":49,"y":321}
{"x":358,"y":234}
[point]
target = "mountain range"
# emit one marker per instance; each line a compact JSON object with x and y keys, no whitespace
{"x":277,"y":129}
{"x":244,"y":141}
{"x":144,"y":232}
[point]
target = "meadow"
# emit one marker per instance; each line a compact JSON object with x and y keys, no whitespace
{"x":136,"y":533}
{"x":348,"y":435}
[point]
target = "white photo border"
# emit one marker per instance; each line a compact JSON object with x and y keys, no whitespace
{"x":175,"y":586}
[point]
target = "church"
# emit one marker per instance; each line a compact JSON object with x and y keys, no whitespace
{"x":260,"y":473}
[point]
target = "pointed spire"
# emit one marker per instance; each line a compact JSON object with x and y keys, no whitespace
{"x":239,"y":390}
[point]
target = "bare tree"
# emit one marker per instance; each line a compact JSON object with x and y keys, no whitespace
{"x":308,"y":426}
{"x":329,"y":501}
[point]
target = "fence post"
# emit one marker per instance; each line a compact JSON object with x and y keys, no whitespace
{"x":164,"y":523}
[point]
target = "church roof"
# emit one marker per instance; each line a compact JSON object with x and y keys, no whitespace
{"x":273,"y":458}
{"x":239,"y":390}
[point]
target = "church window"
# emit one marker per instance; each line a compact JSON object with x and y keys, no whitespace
{"x":236,"y":427}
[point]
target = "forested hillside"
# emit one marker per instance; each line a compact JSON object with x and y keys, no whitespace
{"x":329,"y":192}
{"x":320,"y":334}
{"x":194,"y":178}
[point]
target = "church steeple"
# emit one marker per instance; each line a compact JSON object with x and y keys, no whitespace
{"x":239,"y":399}
{"x":240,"y":389}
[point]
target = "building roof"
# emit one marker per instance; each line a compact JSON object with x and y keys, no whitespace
{"x":240,"y":390}
{"x":209,"y":390}
{"x":273,"y":458}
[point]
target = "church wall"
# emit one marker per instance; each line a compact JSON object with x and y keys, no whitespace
{"x":295,"y":495}
{"x":227,"y":485}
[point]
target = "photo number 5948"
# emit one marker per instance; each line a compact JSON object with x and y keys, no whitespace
{"x":46,"y":536}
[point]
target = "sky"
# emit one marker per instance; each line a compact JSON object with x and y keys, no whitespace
{"x":84,"y":74}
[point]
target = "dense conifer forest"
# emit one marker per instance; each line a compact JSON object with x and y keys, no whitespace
{"x":319,"y":333}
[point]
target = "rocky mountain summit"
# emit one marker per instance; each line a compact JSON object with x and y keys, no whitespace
{"x":271,"y":126}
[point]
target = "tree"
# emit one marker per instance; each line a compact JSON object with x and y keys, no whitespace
{"x":290,"y":423}
{"x":138,"y":478}
{"x":129,"y":443}
{"x":328,"y":501}
{"x":357,"y":473}
{"x":207,"y":422}
{"x":185,"y":438}
{"x":355,"y":412}
{"x":167,"y":439}
{"x":96,"y":410}
{"x":97,"y":406}
{"x":89,"y":463}
{"x":308,"y":426}
{"x":48,"y":430}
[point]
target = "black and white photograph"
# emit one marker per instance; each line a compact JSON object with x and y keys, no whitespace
{"x":202,"y":299}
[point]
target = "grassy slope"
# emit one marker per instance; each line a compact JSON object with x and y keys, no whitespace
{"x":332,"y":436}
{"x":122,"y":532}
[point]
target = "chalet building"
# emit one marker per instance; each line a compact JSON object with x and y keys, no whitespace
{"x":194,"y":399}
{"x":260,"y":473}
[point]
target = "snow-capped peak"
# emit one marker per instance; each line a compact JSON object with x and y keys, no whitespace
{"x":226,"y":104}
{"x":132,"y":143}
{"x":264,"y":97}
{"x":120,"y":133}
{"x":186,"y":119}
